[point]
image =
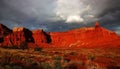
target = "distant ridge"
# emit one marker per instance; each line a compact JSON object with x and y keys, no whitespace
{"x":81,"y":37}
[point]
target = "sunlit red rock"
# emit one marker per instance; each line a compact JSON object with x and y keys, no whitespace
{"x":17,"y":29}
{"x":81,"y":37}
{"x":39,"y":37}
{"x":18,"y":36}
{"x":84,"y":37}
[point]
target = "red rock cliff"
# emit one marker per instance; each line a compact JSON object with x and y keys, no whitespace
{"x":4,"y":31}
{"x":18,"y":36}
{"x":40,"y":37}
{"x":81,"y":37}
{"x":84,"y":37}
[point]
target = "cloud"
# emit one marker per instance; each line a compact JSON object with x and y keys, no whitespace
{"x":39,"y":10}
{"x":79,"y":10}
{"x":74,"y":18}
{"x":59,"y":15}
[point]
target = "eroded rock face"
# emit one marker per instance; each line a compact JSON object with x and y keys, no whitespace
{"x":83,"y":37}
{"x":39,"y":37}
{"x":18,"y":36}
{"x":4,"y":31}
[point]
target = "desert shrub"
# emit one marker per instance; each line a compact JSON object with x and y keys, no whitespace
{"x":56,"y":52}
{"x":82,"y":63}
{"x":14,"y":47}
{"x":17,"y":67}
{"x":5,"y":58}
{"x":7,"y":67}
{"x":10,"y":47}
{"x":57,"y":65}
{"x":72,"y":66}
{"x":47,"y":66}
{"x":38,"y":49}
{"x":113,"y":67}
{"x":5,"y":47}
{"x":23,"y":45}
{"x":67,"y":59}
{"x":91,"y":57}
{"x":34,"y":66}
{"x":57,"y":58}
{"x":73,"y":53}
{"x":41,"y":65}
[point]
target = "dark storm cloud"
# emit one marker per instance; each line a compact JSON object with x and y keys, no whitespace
{"x":42,"y":14}
{"x":10,"y":16}
{"x":26,"y":13}
{"x":112,"y":9}
{"x":110,"y":17}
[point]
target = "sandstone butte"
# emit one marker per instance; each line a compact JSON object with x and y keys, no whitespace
{"x":81,"y":37}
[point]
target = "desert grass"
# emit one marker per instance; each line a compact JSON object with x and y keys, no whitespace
{"x":51,"y":58}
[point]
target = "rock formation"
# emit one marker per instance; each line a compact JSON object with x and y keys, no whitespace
{"x":81,"y":37}
{"x":19,"y":35}
{"x":4,"y":31}
{"x":40,"y":37}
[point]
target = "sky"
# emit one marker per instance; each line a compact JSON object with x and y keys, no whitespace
{"x":60,"y":15}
